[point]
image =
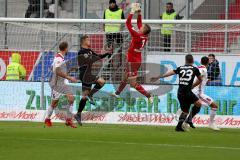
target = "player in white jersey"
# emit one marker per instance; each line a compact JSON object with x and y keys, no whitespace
{"x":205,"y":99}
{"x":58,"y":86}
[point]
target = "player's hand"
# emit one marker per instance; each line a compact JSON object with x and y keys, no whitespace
{"x":135,"y":7}
{"x":139,"y":11}
{"x":154,"y":79}
{"x":109,"y":49}
{"x":72,"y":79}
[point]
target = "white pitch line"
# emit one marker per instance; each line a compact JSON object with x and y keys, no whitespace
{"x":128,"y":143}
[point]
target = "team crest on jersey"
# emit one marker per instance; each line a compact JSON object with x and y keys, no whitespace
{"x":85,"y":55}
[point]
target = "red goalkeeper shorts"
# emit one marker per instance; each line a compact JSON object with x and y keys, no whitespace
{"x":132,"y":68}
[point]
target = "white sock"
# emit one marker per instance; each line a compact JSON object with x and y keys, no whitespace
{"x":212,"y":115}
{"x":69,"y":111}
{"x":49,"y":112}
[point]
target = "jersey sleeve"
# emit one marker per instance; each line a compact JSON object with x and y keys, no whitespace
{"x":132,"y":31}
{"x":205,"y":73}
{"x":58,"y":62}
{"x":97,"y":57}
{"x":139,"y":21}
{"x":177,"y":71}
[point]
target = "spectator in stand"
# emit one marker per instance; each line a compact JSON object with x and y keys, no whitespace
{"x":50,"y":12}
{"x":214,"y":75}
{"x":15,"y":70}
{"x":33,"y":10}
{"x":112,"y":30}
{"x":166,"y":30}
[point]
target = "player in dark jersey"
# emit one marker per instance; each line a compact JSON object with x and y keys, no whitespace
{"x":86,"y":58}
{"x":186,"y":97}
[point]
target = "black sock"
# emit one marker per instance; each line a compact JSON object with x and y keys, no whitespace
{"x":82,"y":105}
{"x":182,"y":118}
{"x":195,"y":110}
{"x":95,"y":89}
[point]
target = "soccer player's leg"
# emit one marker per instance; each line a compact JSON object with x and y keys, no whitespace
{"x":55,"y":98}
{"x":133,"y":83}
{"x":185,"y":106}
{"x":132,"y":78}
{"x":123,"y":83}
{"x":69,"y":118}
{"x":195,"y":109}
{"x":99,"y":83}
{"x":208,"y":101}
{"x":121,"y":87}
{"x":86,"y":88}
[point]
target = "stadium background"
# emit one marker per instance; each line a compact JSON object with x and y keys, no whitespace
{"x":224,"y":44}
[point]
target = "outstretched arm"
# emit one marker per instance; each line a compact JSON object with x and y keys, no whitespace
{"x":97,"y":57}
{"x":167,"y":74}
{"x":139,"y":20}
{"x":129,"y":25}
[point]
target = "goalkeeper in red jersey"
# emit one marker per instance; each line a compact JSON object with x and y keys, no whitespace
{"x":134,"y":55}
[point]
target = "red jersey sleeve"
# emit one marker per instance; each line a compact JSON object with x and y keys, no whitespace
{"x":139,"y":21}
{"x":132,"y":31}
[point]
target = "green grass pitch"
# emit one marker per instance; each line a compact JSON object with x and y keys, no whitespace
{"x":31,"y":141}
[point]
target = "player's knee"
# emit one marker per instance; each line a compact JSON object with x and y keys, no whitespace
{"x":214,"y":105}
{"x":185,"y":110}
{"x":54,"y":104}
{"x":198,"y":104}
{"x":101,"y":81}
{"x":85,"y":93}
{"x":71,"y":99}
{"x":84,"y":98}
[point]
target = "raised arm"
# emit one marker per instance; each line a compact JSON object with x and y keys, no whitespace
{"x":132,"y":31}
{"x":139,"y":20}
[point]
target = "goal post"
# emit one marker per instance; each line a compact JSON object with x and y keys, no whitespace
{"x":37,"y":40}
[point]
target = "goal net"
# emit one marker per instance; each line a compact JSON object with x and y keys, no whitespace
{"x":37,"y":42}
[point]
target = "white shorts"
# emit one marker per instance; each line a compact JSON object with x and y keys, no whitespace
{"x":205,"y":99}
{"x":58,"y":91}
{"x":55,"y":95}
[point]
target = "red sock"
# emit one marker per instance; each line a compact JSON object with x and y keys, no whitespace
{"x":140,"y":89}
{"x":121,"y":87}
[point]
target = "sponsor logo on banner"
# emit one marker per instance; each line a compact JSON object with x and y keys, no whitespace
{"x":24,"y":105}
{"x":157,"y":119}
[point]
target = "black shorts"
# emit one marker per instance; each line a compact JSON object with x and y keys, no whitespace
{"x":186,"y":100}
{"x":87,"y":81}
{"x":114,"y":37}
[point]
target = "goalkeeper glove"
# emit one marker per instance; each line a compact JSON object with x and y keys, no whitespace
{"x":135,"y":7}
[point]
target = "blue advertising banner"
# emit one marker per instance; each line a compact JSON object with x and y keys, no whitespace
{"x":26,"y":95}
